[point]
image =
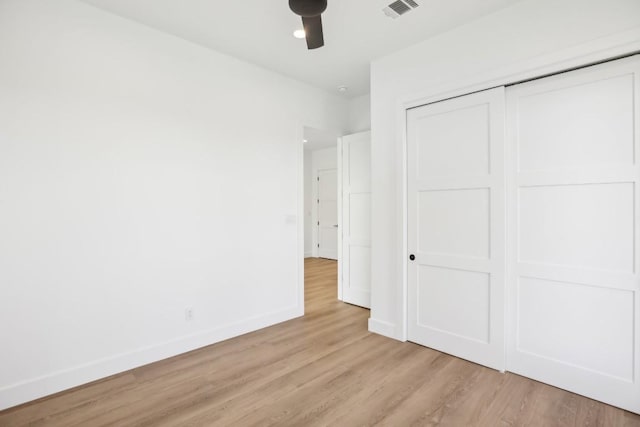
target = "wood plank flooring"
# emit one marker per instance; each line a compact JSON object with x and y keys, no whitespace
{"x":321,"y":369}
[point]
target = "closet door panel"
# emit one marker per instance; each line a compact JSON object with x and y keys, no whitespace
{"x":573,"y":221}
{"x":455,"y":222}
{"x":581,"y":124}
{"x":584,"y":226}
{"x":456,"y":226}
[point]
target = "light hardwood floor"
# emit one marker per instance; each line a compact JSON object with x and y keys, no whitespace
{"x":321,"y":369}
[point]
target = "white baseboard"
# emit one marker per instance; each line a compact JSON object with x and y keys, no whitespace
{"x":308,"y":254}
{"x":55,"y":382}
{"x":381,"y":327}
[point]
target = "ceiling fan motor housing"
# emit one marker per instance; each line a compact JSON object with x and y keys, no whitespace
{"x":308,"y":8}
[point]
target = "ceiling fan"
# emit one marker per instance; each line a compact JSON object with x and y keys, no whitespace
{"x":310,"y":11}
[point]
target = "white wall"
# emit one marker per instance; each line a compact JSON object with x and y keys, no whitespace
{"x":139,"y":175}
{"x":540,"y":32}
{"x":360,"y":114}
{"x":326,"y":158}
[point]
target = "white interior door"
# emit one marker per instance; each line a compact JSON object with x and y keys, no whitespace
{"x":456,"y":226}
{"x":328,"y":213}
{"x":573,"y":264}
{"x":355,"y":265}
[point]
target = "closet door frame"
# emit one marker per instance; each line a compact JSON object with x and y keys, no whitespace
{"x":633,"y":59}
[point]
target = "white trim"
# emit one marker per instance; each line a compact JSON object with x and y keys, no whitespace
{"x":340,"y":220}
{"x":381,"y":327}
{"x":403,"y":334}
{"x":62,"y":380}
{"x":314,"y":210}
{"x":300,"y":253}
{"x":598,"y":50}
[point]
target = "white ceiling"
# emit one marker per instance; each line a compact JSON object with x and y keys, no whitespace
{"x":260,"y":31}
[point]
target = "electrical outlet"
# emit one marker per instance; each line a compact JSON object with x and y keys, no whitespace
{"x":188,"y":314}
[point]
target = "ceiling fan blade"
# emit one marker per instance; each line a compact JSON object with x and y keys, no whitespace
{"x":313,"y":30}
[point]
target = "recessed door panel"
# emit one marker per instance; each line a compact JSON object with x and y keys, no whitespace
{"x":360,"y":217}
{"x":561,"y":321}
{"x":359,"y":274}
{"x":586,"y":226}
{"x":455,"y":302}
{"x":454,"y":222}
{"x":444,"y":148}
{"x":590,"y":123}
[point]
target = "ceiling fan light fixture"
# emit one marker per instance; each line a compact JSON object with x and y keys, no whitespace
{"x":308,"y":8}
{"x":310,"y":11}
{"x":299,"y":34}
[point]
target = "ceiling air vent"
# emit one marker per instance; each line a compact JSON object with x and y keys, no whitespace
{"x":399,"y":7}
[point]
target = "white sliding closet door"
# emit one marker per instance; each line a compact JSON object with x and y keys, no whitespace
{"x":456,"y":223}
{"x":573,"y":231}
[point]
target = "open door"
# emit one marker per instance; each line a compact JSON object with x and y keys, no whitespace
{"x":355,"y":227}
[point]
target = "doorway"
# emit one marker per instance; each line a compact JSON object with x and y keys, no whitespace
{"x":320,"y":194}
{"x":338,"y":209}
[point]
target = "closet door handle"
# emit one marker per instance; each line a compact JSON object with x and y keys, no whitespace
{"x":412,"y":257}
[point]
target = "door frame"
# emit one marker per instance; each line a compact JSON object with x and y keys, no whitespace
{"x":340,"y":222}
{"x":591,"y":53}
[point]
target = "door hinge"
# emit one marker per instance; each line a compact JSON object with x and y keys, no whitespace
{"x":318,"y":244}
